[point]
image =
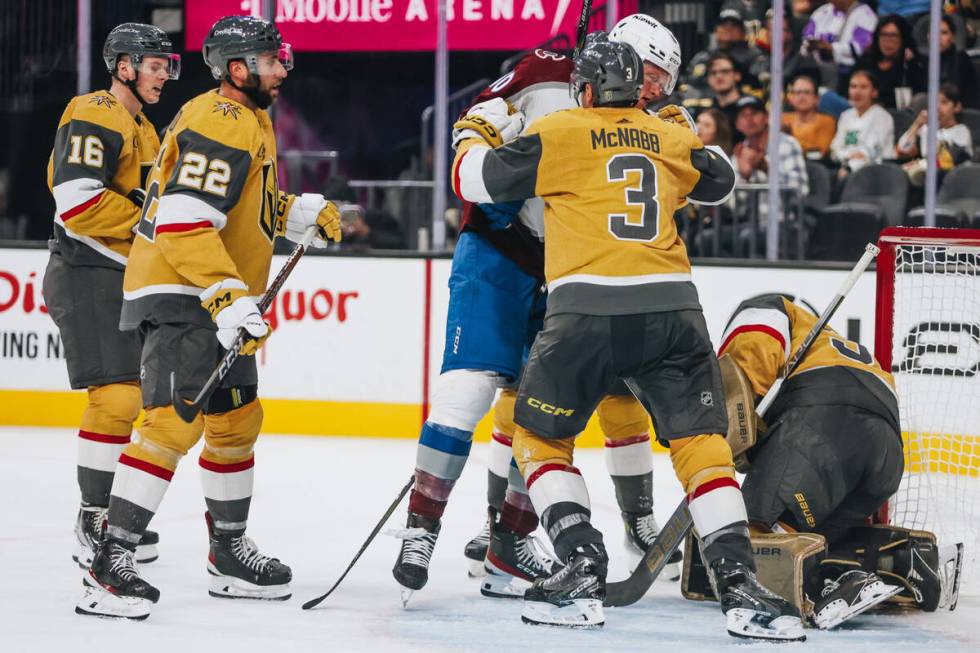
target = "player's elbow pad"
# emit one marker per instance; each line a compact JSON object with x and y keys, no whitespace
{"x":717,"y":176}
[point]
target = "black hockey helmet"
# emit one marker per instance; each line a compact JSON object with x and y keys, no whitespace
{"x":243,"y":37}
{"x":139,"y":40}
{"x":613,"y":70}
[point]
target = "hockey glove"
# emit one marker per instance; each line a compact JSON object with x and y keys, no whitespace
{"x":495,"y":121}
{"x":501,"y":214}
{"x":677,"y":114}
{"x":232,"y":309}
{"x":299,"y":213}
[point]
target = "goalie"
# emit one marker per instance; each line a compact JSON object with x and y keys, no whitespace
{"x":831,"y":456}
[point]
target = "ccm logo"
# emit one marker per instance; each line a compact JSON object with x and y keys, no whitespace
{"x":548,"y":408}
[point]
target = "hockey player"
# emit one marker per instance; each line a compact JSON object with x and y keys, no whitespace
{"x":202,"y":255}
{"x":621,"y":304}
{"x":495,"y":311}
{"x":103,"y":151}
{"x":830,"y":457}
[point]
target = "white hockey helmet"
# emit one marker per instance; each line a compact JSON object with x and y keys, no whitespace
{"x":653,"y":42}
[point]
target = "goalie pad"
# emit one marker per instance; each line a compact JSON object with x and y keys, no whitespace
{"x":783,"y":563}
{"x":740,"y":402}
{"x":928,"y":573}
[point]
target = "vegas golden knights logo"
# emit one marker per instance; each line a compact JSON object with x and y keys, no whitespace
{"x":270,"y":200}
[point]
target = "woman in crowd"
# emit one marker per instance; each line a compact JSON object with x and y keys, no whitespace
{"x":955,"y":66}
{"x":955,"y":144}
{"x":865,"y":132}
{"x":895,"y":61}
{"x":812,"y":129}
{"x":714,"y":128}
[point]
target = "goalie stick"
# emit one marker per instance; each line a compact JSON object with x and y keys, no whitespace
{"x":630,"y":590}
{"x":188,"y":411}
{"x":312,"y":603}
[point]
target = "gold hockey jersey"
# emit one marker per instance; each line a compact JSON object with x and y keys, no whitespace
{"x":101,"y":156}
{"x":210,"y":212}
{"x":611,"y":179}
{"x":766,"y":330}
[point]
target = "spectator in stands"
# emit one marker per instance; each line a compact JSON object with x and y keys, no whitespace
{"x":714,"y":128}
{"x":955,"y":143}
{"x":813,"y":130}
{"x":723,"y":78}
{"x":729,"y":37}
{"x":839,"y":32}
{"x":865,"y":132}
{"x":955,"y":66}
{"x":895,"y":61}
{"x":794,"y":61}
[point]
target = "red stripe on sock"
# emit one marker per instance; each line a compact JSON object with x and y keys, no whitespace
{"x":502,"y":439}
{"x":72,"y":212}
{"x":550,"y":467}
{"x":104,"y":438}
{"x":149,"y":468}
{"x":183,"y":226}
{"x":704,"y":488}
{"x":226,"y":468}
{"x":625,"y":442}
{"x":425,"y":506}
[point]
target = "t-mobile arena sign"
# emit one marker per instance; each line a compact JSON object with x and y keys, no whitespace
{"x":347,"y":25}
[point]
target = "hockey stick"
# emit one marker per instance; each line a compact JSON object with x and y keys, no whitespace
{"x":583,"y":27}
{"x":188,"y":411}
{"x":630,"y":590}
{"x":312,"y":603}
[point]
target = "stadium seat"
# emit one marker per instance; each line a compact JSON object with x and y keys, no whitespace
{"x":958,"y":199}
{"x":884,"y":185}
{"x":903,"y":119}
{"x":820,"y":184}
{"x":971,"y":118}
{"x":843,"y":230}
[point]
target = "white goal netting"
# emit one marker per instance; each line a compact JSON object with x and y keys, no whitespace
{"x":936,"y":362}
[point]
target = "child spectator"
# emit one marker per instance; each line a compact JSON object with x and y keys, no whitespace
{"x":865,"y":132}
{"x":955,"y":144}
{"x":812,"y":129}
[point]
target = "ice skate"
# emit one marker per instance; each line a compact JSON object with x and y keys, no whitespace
{"x":113,"y":586}
{"x":88,"y":533}
{"x":239,"y":571}
{"x":476,"y":549}
{"x":572,"y":597}
{"x":849,"y":595}
{"x":513,"y":563}
{"x":641,"y":531}
{"x":752,"y":611}
{"x":412,"y":566}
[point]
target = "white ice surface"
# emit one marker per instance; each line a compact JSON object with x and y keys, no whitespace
{"x":315,"y":501}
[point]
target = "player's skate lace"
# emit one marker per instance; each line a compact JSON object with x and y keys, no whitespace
{"x":95,"y":517}
{"x":123,"y":563}
{"x":419,"y":544}
{"x":531,"y":553}
{"x":248,"y":554}
{"x":647,"y":528}
{"x":483,"y":537}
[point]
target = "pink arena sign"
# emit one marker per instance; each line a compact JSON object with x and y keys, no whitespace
{"x":346,"y":25}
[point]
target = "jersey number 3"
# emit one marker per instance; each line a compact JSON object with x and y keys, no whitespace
{"x":645,"y":197}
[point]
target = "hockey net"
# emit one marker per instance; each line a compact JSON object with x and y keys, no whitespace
{"x":928,"y":334}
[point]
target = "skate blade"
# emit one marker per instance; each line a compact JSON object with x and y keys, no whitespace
{"x":229,"y":587}
{"x":746,"y":624}
{"x":499,"y":586}
{"x":83,"y":556}
{"x":146,"y":553}
{"x":406,"y":595}
{"x":97,"y":602}
{"x":580,"y":613}
{"x":476,"y":568}
{"x":838,"y":612}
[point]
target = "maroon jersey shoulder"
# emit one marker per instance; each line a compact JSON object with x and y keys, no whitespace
{"x":540,"y":66}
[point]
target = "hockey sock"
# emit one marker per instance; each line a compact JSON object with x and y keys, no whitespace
{"x":517,"y":514}
{"x":227,"y":465}
{"x":501,"y":444}
{"x":630,"y":465}
{"x":104,"y":432}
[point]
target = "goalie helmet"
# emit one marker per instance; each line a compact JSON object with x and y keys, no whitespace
{"x":138,"y":41}
{"x":613,"y":70}
{"x":245,"y":38}
{"x":653,"y":42}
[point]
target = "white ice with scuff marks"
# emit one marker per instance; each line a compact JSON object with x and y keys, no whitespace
{"x":315,"y":501}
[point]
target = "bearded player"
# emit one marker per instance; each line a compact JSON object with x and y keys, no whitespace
{"x":205,"y":241}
